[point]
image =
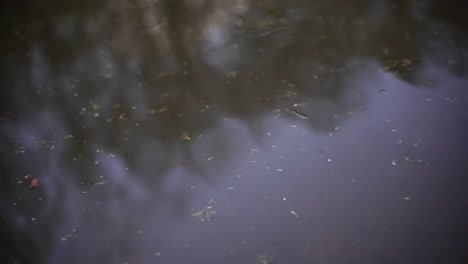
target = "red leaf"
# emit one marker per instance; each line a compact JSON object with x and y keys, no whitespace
{"x":33,"y":184}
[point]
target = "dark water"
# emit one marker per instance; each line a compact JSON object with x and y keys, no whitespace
{"x":234,"y":132}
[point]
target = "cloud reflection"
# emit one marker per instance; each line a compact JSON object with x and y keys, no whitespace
{"x":96,"y":107}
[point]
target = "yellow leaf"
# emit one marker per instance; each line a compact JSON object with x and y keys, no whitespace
{"x":185,"y":136}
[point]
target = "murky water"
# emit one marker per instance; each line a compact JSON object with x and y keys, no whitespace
{"x":233,"y":132}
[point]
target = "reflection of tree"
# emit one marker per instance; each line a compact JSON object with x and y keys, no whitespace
{"x":170,"y":60}
{"x":129,"y":78}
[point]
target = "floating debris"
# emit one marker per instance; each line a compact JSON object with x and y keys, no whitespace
{"x":382,"y":90}
{"x":47,"y":144}
{"x":95,"y":183}
{"x":412,"y":161}
{"x":205,"y":214}
{"x":265,"y":259}
{"x":399,"y":66}
{"x":290,"y":94}
{"x":232,"y":74}
{"x":95,"y":106}
{"x":254,"y":151}
{"x":295,"y":214}
{"x":70,"y":236}
{"x":302,"y":104}
{"x":408,"y":160}
{"x":34,"y":183}
{"x":415,"y":144}
{"x":185,"y":136}
{"x":298,"y":114}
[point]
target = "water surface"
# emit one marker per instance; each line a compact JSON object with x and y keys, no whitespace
{"x":233,"y":132}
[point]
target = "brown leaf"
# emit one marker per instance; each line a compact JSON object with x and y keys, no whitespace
{"x":33,"y":184}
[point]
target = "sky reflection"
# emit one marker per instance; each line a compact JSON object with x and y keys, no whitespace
{"x":200,"y":131}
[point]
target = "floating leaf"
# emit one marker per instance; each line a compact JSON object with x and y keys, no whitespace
{"x":34,"y":183}
{"x":69,"y":137}
{"x":162,"y":109}
{"x":185,"y":136}
{"x":122,"y":117}
{"x":290,"y":93}
{"x":96,"y":106}
{"x":232,"y":75}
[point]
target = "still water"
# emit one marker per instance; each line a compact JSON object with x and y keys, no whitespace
{"x":236,"y":131}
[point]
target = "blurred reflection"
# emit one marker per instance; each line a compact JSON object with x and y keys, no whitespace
{"x":122,"y":94}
